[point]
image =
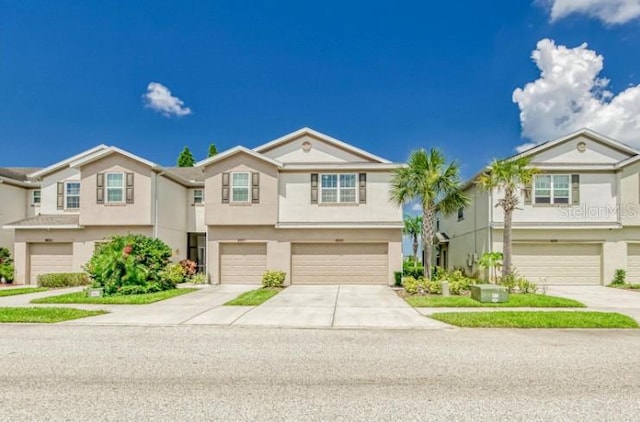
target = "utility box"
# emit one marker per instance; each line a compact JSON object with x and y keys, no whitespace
{"x":489,"y":293}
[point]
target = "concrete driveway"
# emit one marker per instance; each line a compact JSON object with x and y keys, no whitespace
{"x":600,"y":298}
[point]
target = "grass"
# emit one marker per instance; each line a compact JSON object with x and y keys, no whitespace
{"x":21,"y":291}
{"x":143,"y":299}
{"x":515,"y":300}
{"x":254,"y":297}
{"x":553,"y":319}
{"x":626,"y":286}
{"x":46,"y":315}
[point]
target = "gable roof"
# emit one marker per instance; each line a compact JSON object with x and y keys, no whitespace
{"x":326,"y":138}
{"x":237,"y":150}
{"x":60,"y":164}
{"x":47,"y":221}
{"x":108,"y":151}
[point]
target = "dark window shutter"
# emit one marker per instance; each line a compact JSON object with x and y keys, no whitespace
{"x":225,"y":188}
{"x":255,"y":188}
{"x":527,"y":194}
{"x":575,"y":189}
{"x":314,"y":188}
{"x":130,"y":188}
{"x":362,"y":188}
{"x":100,"y":188}
{"x":60,"y":197}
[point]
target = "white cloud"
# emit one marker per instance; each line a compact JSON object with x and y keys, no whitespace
{"x":416,"y":207}
{"x":609,"y":11}
{"x":569,"y":95}
{"x":159,"y":98}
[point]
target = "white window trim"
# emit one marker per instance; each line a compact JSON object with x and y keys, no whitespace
{"x":338,"y":195}
{"x":66,"y":195}
{"x":107,"y":188}
{"x":201,"y":196}
{"x":248,"y":187}
{"x":551,"y":189}
{"x":33,"y":195}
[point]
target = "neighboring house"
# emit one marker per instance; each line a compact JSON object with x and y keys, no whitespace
{"x":19,"y":198}
{"x":577,"y":223}
{"x":307,"y":204}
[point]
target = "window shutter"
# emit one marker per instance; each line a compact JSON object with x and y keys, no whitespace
{"x":314,"y":188}
{"x":255,"y":188}
{"x":129,"y":188}
{"x":527,"y":194}
{"x":100,"y":188}
{"x":362,"y":187}
{"x":575,"y":189}
{"x":60,"y":197}
{"x":225,"y":188}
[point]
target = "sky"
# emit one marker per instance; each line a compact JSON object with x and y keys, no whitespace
{"x":479,"y":80}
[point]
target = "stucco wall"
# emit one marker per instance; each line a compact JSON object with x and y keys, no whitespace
{"x":195,"y":215}
{"x":320,"y":152}
{"x":49,"y":191}
{"x":172,"y":216}
{"x":567,"y":152}
{"x":13,"y":207}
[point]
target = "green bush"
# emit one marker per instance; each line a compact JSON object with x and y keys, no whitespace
{"x":63,"y":280}
{"x":397,"y":275}
{"x":131,"y":260}
{"x":619,"y":278}
{"x":435,"y":287}
{"x":414,"y":285}
{"x":273,"y":278}
{"x":458,"y":281}
{"x":6,"y":265}
{"x":199,"y":278}
{"x":509,"y":281}
{"x":526,"y":286}
{"x":174,"y":273}
{"x":410,"y":269}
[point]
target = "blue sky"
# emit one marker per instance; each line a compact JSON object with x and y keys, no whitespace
{"x":388,"y":77}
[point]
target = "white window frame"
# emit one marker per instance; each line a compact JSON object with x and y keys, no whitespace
{"x":67,"y":196}
{"x":107,"y":188}
{"x":339,"y":189}
{"x":234,"y":187}
{"x":552,"y":197}
{"x":33,"y":197}
{"x":200,"y":197}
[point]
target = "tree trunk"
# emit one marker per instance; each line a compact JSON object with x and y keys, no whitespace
{"x":415,"y":250}
{"x":506,"y":242}
{"x":427,"y":238}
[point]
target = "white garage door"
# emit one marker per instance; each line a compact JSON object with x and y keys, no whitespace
{"x":50,"y":258}
{"x":558,"y":263}
{"x":330,"y":263}
{"x":242,"y":263}
{"x":633,"y":263}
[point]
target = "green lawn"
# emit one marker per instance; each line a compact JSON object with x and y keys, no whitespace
{"x":515,"y":300}
{"x":47,"y":315}
{"x":254,"y":297}
{"x":21,"y":291}
{"x":81,"y":297}
{"x":626,"y":286}
{"x":553,"y":319}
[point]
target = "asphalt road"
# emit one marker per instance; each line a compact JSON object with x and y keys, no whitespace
{"x":205,"y":373}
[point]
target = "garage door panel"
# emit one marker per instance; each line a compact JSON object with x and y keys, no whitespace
{"x":558,"y":263}
{"x":243,"y":263}
{"x":633,"y":263}
{"x":355,"y":263}
{"x":48,"y":258}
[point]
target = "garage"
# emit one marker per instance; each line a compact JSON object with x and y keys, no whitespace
{"x":331,"y":263}
{"x":242,"y":263}
{"x":559,"y":263}
{"x":633,"y":263}
{"x":49,"y":258}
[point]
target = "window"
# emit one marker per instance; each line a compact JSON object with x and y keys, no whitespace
{"x":72,"y":195}
{"x":552,"y":189}
{"x":460,"y":213}
{"x":239,"y":187}
{"x":35,"y":197}
{"x":198,"y":196}
{"x":338,"y":188}
{"x":115,"y":188}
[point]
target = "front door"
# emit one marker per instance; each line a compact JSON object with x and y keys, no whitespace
{"x":197,"y":250}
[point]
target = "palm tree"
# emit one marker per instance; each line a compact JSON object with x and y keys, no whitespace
{"x":428,"y":178}
{"x":508,"y":176}
{"x":413,"y":227}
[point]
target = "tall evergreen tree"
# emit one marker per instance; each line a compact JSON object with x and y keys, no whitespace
{"x":212,"y":150}
{"x":185,"y":159}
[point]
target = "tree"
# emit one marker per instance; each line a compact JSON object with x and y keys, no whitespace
{"x":413,"y":227}
{"x":428,"y":178}
{"x":490,"y":261}
{"x":507,"y":176}
{"x":212,"y":150}
{"x":185,"y":159}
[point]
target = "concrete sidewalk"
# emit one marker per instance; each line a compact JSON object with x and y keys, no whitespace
{"x":601,"y":298}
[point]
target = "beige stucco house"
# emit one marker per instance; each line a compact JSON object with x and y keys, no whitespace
{"x":577,"y":223}
{"x":306,"y":203}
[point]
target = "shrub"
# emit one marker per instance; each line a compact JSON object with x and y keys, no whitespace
{"x":174,"y":274}
{"x":63,"y":280}
{"x":410,"y":269}
{"x":131,"y":260}
{"x":199,"y":278}
{"x":434,"y":287}
{"x":415,"y":285}
{"x":189,"y":268}
{"x":509,"y":281}
{"x":6,"y":265}
{"x":458,"y":281}
{"x":397,"y":275}
{"x":273,"y":278}
{"x":619,"y":278}
{"x":526,"y":286}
